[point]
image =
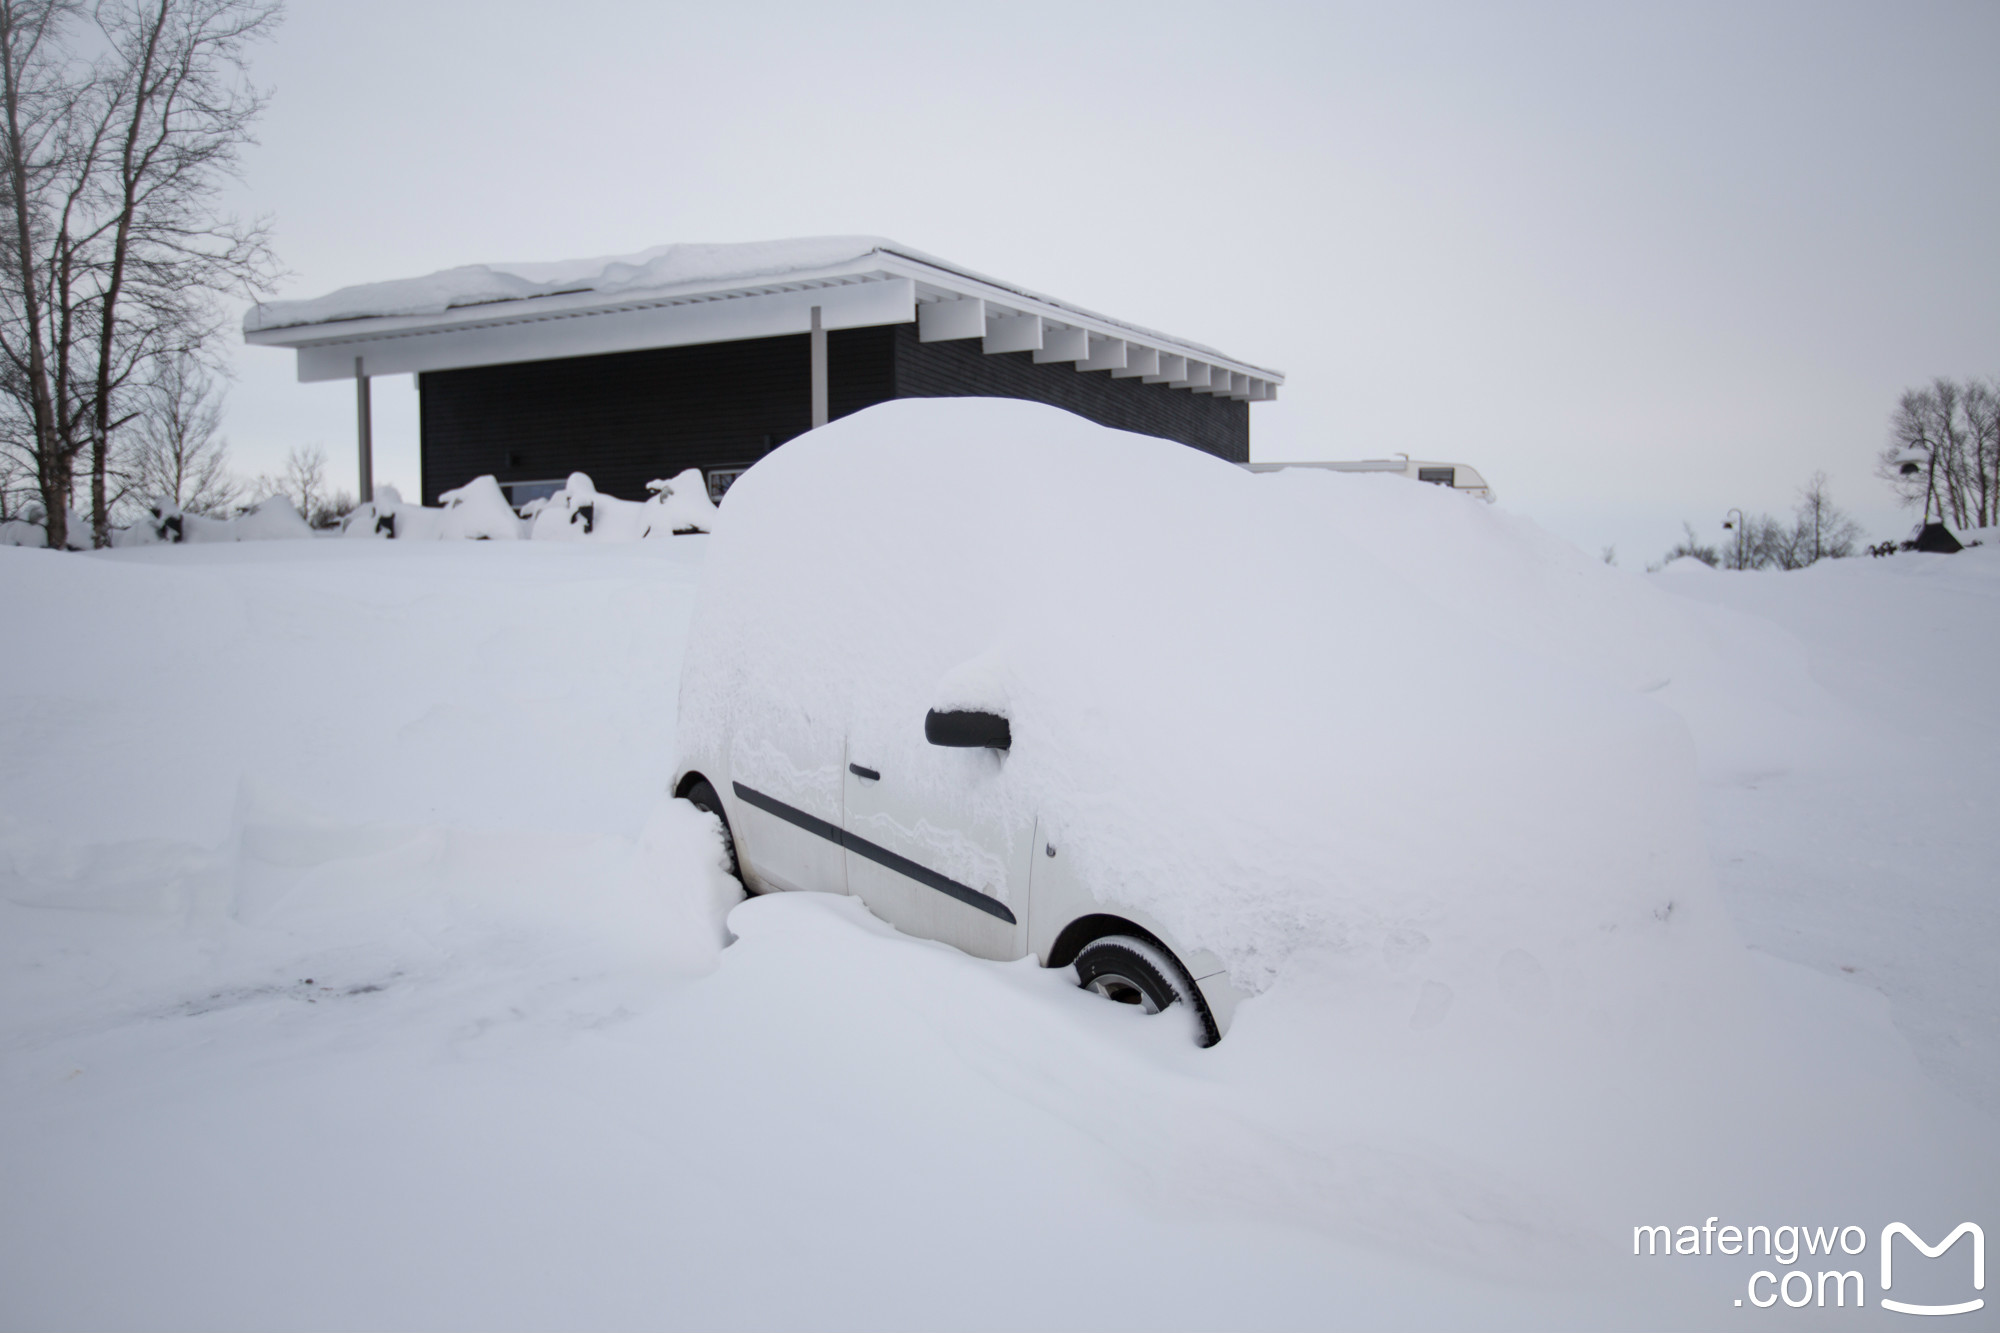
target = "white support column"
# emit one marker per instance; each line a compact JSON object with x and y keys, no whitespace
{"x":818,"y":370}
{"x":365,"y":429}
{"x":1171,"y":368}
{"x":941,"y":321}
{"x":1139,"y":361}
{"x":1105,"y":354}
{"x":1194,"y":377}
{"x":1014,"y":333}
{"x":1062,"y":345}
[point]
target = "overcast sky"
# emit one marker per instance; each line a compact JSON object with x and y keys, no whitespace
{"x":1635,"y":263}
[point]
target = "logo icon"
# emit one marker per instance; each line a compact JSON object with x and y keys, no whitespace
{"x":1895,"y":1229}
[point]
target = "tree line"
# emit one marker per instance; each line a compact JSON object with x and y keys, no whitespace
{"x":1944,"y":452}
{"x":1942,"y":455}
{"x":120,"y":123}
{"x":1817,"y":530}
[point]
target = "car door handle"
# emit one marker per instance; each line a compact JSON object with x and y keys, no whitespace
{"x":868,"y":773}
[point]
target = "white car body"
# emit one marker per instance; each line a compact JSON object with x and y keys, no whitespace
{"x":1237,"y":728}
{"x":1454,"y":476}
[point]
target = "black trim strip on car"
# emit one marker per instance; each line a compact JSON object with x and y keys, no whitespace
{"x":881,"y":856}
{"x":868,"y":773}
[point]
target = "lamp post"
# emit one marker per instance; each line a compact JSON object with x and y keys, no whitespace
{"x":1741,"y":530}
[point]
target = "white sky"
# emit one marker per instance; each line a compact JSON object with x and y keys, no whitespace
{"x":1635,"y":263}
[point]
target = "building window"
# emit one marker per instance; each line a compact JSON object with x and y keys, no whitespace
{"x":720,"y":479}
{"x":521,"y":492}
{"x":1441,"y":476}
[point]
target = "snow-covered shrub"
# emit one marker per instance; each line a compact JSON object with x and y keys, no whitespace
{"x":377,"y":518}
{"x":679,"y":506}
{"x":578,"y":512}
{"x":274,"y":518}
{"x":479,"y":511}
{"x":21,"y":532}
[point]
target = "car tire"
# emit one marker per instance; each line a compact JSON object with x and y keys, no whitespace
{"x":702,"y":797}
{"x":1129,"y":970}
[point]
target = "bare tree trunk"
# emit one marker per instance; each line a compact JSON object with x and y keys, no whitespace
{"x":24,"y":28}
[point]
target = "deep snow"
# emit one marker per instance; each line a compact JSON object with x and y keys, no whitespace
{"x":353,"y":972}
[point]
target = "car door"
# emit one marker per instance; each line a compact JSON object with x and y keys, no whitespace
{"x":785,"y":781}
{"x":937,"y":844}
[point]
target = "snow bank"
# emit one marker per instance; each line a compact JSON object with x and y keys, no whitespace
{"x":1687,"y":564}
{"x":1290,"y":713}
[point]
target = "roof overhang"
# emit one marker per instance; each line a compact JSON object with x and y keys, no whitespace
{"x":883,"y":286}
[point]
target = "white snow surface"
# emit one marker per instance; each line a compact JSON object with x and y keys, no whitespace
{"x":355,"y":972}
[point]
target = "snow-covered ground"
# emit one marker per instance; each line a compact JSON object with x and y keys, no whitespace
{"x":354,"y":973}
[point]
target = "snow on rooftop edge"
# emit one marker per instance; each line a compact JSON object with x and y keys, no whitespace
{"x":660,"y":268}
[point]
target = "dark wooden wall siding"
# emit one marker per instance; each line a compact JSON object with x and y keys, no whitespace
{"x":959,"y":368}
{"x":630,"y":417}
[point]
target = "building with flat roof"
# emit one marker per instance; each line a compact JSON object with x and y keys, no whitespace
{"x":709,"y":356}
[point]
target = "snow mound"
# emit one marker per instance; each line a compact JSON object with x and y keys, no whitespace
{"x":1687,"y":564}
{"x":1290,"y":713}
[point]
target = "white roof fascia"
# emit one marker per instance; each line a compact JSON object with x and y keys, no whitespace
{"x":951,"y":283}
{"x":881,"y":287}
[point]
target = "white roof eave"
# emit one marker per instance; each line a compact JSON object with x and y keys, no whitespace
{"x":935,"y":280}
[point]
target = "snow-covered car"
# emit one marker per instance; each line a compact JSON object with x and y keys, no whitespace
{"x":1034,"y":687}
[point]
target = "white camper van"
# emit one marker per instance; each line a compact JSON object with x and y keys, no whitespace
{"x":1457,"y":476}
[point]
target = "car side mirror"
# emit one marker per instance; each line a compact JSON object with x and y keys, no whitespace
{"x":968,"y":730}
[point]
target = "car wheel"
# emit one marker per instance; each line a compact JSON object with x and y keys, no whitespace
{"x":702,"y":797}
{"x":1127,"y":970}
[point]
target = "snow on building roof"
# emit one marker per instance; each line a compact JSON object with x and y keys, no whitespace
{"x":673,"y":295}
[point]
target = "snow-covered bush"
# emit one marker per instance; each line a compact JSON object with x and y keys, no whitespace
{"x":579,"y":511}
{"x":274,"y":518}
{"x":378,"y":518}
{"x":680,"y":506}
{"x":476,"y":511}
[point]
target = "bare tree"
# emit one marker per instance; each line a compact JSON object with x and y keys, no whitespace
{"x":1981,"y":404}
{"x":1689,"y":544}
{"x":304,"y":482}
{"x":1823,"y":530}
{"x":177,"y":451}
{"x":1944,"y":451}
{"x":114,"y":256}
{"x":1820,"y":530}
{"x":16,"y":484}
